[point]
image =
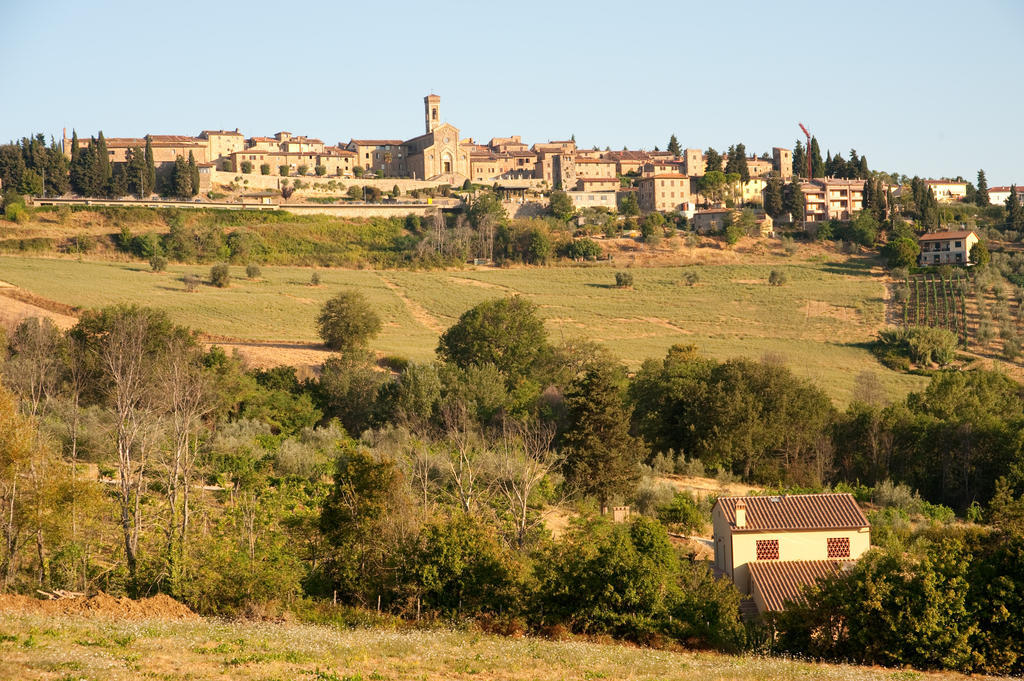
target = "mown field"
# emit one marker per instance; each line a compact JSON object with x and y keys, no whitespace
{"x":817,"y":323}
{"x":94,"y":648}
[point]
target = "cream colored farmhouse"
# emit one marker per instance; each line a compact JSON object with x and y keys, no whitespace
{"x":773,"y":546}
{"x":947,"y":248}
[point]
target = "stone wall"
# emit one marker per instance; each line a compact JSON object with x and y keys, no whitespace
{"x":258,"y":181}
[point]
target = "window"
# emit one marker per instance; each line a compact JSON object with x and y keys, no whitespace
{"x":958,"y":244}
{"x":838,"y":547}
{"x":767,"y":549}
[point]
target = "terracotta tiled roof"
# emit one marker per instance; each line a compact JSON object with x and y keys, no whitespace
{"x":940,"y":236}
{"x":376,"y":143}
{"x":595,"y":160}
{"x":796,"y":512}
{"x":1006,"y":188}
{"x":782,"y":581}
{"x":599,"y":179}
{"x":665,"y":176}
{"x":945,"y":182}
{"x":233,"y":133}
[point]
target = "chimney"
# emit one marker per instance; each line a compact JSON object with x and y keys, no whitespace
{"x":741,"y":513}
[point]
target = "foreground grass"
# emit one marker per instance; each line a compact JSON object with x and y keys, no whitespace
{"x":66,"y":648}
{"x":817,"y":324}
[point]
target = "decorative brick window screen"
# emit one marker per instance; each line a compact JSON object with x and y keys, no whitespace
{"x":838,"y":547}
{"x":767,"y":549}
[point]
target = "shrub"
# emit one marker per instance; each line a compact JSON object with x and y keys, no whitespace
{"x":789,"y":246}
{"x":252,"y":271}
{"x":355,"y":192}
{"x":347,"y":321}
{"x":777,"y":278}
{"x":314,"y":279}
{"x":623,"y":280}
{"x":191,"y":282}
{"x":246,"y":167}
{"x":265,"y":169}
{"x":690,"y":277}
{"x":158,"y":263}
{"x":583,"y":249}
{"x":303,"y":169}
{"x":16,"y":212}
{"x":220,"y":275}
{"x":284,"y":170}
{"x":682,"y":515}
{"x":321,"y":171}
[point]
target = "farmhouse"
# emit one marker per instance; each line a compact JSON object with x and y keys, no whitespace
{"x":773,"y":546}
{"x":947,"y":248}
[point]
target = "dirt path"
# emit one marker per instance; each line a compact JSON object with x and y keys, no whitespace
{"x":481,"y":284}
{"x":418,"y":312}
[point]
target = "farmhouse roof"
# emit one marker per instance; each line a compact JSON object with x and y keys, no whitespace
{"x":1007,"y":187}
{"x":233,"y":133}
{"x":665,"y":176}
{"x":782,"y":581}
{"x":942,"y":236}
{"x":944,"y":182}
{"x":795,"y":512}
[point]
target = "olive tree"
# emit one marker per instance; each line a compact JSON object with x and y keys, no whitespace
{"x":347,"y":321}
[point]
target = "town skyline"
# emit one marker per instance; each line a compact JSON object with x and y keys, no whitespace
{"x":353,"y":87}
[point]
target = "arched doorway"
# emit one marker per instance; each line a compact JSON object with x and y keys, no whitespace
{"x":446,"y":163}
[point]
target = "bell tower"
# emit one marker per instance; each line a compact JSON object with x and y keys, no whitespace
{"x":432,"y":110}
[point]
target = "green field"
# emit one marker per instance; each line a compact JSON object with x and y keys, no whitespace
{"x":97,"y":647}
{"x":817,"y":323}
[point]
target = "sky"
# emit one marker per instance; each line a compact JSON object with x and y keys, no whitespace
{"x":922,"y":88}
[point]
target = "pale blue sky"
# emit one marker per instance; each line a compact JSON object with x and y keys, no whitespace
{"x":928,"y":88}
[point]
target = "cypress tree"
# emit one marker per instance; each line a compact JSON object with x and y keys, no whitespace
{"x":602,"y":458}
{"x":741,"y":162}
{"x":102,"y":160}
{"x":150,"y":185}
{"x":730,"y":163}
{"x":799,"y":159}
{"x":773,"y":197}
{"x":1014,"y":212}
{"x":673,"y":145}
{"x":193,"y":174}
{"x":793,"y":201}
{"x":862,"y":168}
{"x":817,"y":165}
{"x":181,"y":181}
{"x":981,"y":197}
{"x":74,"y":145}
{"x":713,"y":161}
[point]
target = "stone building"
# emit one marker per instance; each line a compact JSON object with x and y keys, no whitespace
{"x":664,"y":193}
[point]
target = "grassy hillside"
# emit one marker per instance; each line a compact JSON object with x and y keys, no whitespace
{"x":66,"y":648}
{"x":817,"y":323}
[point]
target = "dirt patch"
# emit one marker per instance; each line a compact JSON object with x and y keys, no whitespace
{"x":305,"y":357}
{"x":482,"y":284}
{"x":702,"y":487}
{"x":819,"y":308}
{"x":161,"y":606}
{"x":17,"y":305}
{"x":657,"y":321}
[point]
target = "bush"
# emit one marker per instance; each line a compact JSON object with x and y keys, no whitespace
{"x":265,"y":169}
{"x":623,"y":280}
{"x":777,"y":278}
{"x":252,"y":271}
{"x":321,"y":171}
{"x":220,"y":275}
{"x":690,"y":277}
{"x":158,"y":263}
{"x":314,"y":279}
{"x":347,"y":321}
{"x":355,"y":192}
{"x":284,"y":170}
{"x":583,"y":249}
{"x":246,"y":167}
{"x":16,"y":212}
{"x":682,"y":515}
{"x":191,"y":282}
{"x":303,"y":169}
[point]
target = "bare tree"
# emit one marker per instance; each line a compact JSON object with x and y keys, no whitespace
{"x":35,"y":367}
{"x":463,"y":459}
{"x":188,"y":401}
{"x":524,"y":459}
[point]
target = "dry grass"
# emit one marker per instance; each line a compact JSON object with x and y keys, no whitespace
{"x":66,"y":648}
{"x":818,"y":324}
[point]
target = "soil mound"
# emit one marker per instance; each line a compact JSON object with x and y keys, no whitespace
{"x":156,"y":607}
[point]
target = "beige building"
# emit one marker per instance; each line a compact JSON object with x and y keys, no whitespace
{"x":946,"y":248}
{"x":594,"y":199}
{"x":782,"y":163}
{"x":997,"y":196}
{"x":714,"y":220}
{"x":664,"y":193}
{"x":380,"y":156}
{"x":595,"y":167}
{"x":832,"y":199}
{"x":597,"y":184}
{"x":948,"y":191}
{"x":773,"y":546}
{"x":221,"y":144}
{"x":693,"y":162}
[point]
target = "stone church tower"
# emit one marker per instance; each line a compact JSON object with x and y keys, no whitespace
{"x":432,"y":109}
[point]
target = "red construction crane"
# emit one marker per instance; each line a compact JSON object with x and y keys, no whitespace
{"x":807,"y":152}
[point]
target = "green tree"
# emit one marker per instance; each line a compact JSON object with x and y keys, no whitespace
{"x":981,"y":195}
{"x":601,"y":457}
{"x":799,"y":159}
{"x":712,"y":161}
{"x":673,"y":146}
{"x":1014,"y":211}
{"x":246,"y":167}
{"x":864,"y":229}
{"x":652,"y":228}
{"x":220,"y":275}
{"x":505,"y":332}
{"x":901,"y":252}
{"x":561,"y":205}
{"x":979,"y":254}
{"x":193,"y":174}
{"x":628,"y":205}
{"x":347,"y":321}
{"x":150,"y":185}
{"x":817,"y":165}
{"x":773,"y":205}
{"x":264,"y":169}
